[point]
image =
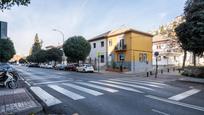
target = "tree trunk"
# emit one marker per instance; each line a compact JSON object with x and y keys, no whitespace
{"x":194,"y":59}
{"x":184,"y":59}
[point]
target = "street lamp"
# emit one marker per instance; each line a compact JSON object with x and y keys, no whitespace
{"x":60,"y":33}
{"x":63,"y":56}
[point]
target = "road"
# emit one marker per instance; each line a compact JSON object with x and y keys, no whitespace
{"x":74,"y":93}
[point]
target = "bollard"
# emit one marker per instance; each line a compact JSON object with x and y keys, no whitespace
{"x":179,"y":70}
{"x":147,"y":74}
{"x":150,"y":72}
{"x":168,"y":70}
{"x":162,"y":71}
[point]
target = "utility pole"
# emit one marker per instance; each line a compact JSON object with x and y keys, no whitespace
{"x":63,"y":55}
{"x":156,"y":54}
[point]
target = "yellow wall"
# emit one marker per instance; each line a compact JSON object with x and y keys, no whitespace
{"x":136,"y":43}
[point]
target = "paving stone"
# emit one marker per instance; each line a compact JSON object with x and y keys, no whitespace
{"x":17,"y":101}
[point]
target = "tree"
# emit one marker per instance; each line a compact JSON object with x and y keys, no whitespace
{"x":22,"y":60}
{"x":54,"y":54}
{"x":6,"y":50}
{"x":7,"y":4}
{"x":183,"y":34}
{"x":194,"y":13}
{"x":41,"y":56}
{"x":37,"y":45}
{"x":76,"y":48}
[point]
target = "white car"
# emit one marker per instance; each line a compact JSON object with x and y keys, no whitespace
{"x":85,"y":68}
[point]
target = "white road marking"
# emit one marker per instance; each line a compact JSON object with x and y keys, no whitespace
{"x":140,"y":83}
{"x":160,"y":112}
{"x":176,"y":103}
{"x":90,"y":91}
{"x":117,"y":86}
{"x":184,"y":94}
{"x":48,"y":99}
{"x":98,"y":87}
{"x":131,"y":85}
{"x":28,"y":83}
{"x":50,"y":82}
{"x":150,"y":82}
{"x":70,"y":94}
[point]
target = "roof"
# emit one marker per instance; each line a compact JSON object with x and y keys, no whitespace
{"x":101,"y":36}
{"x":160,"y":38}
{"x":118,"y":32}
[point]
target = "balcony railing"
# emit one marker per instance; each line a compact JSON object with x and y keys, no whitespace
{"x":123,"y":47}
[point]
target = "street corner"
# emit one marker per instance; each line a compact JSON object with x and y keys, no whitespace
{"x":18,"y":101}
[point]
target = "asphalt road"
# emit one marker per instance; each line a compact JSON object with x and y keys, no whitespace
{"x":74,"y":93}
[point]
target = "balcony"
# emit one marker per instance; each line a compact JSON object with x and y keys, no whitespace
{"x":120,"y":48}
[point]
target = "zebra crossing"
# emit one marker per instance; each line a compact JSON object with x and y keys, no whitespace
{"x":92,"y":88}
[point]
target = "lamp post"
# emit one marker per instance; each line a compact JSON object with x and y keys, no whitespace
{"x":63,"y":56}
{"x":60,"y":33}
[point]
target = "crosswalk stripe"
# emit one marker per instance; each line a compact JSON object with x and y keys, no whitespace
{"x":70,"y":94}
{"x":136,"y":86}
{"x":90,"y":91}
{"x":184,"y":94}
{"x":49,"y":82}
{"x":98,"y":87}
{"x":135,"y":82}
{"x":117,"y":86}
{"x":150,"y":82}
{"x":48,"y":99}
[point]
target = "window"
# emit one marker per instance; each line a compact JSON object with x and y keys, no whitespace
{"x":122,"y":42}
{"x":94,"y":45}
{"x":110,"y":42}
{"x":102,"y":44}
{"x":102,"y":59}
{"x":143,"y":57}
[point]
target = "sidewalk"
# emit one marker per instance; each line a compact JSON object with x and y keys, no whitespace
{"x":166,"y":76}
{"x":18,"y":101}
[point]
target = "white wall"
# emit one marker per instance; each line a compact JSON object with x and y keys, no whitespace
{"x":102,"y":50}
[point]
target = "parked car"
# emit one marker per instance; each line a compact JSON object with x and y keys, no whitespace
{"x":33,"y":65}
{"x":85,"y":68}
{"x":71,"y":67}
{"x":48,"y":66}
{"x":60,"y":67}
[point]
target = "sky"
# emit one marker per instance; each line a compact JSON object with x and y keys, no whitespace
{"x":88,"y":18}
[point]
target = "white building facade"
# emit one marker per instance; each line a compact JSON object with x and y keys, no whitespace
{"x":98,"y":53}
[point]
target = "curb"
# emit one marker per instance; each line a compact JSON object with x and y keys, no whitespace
{"x":190,"y":81}
{"x":31,"y":110}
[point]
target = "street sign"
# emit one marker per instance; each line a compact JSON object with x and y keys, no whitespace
{"x":156,"y":54}
{"x":122,"y":56}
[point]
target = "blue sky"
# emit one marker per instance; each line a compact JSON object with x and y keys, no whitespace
{"x":84,"y":17}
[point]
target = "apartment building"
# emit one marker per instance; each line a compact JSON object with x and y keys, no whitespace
{"x":124,"y":46}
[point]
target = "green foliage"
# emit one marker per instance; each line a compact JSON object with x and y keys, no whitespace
{"x":76,"y":48}
{"x":194,"y":13}
{"x":183,"y":34}
{"x":7,"y":4}
{"x":40,"y":56}
{"x":54,"y":54}
{"x":22,"y":60}
{"x":191,"y":32}
{"x":36,"y":46}
{"x":6,"y":50}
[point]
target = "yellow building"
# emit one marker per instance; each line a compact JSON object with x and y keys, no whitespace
{"x":127,"y":47}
